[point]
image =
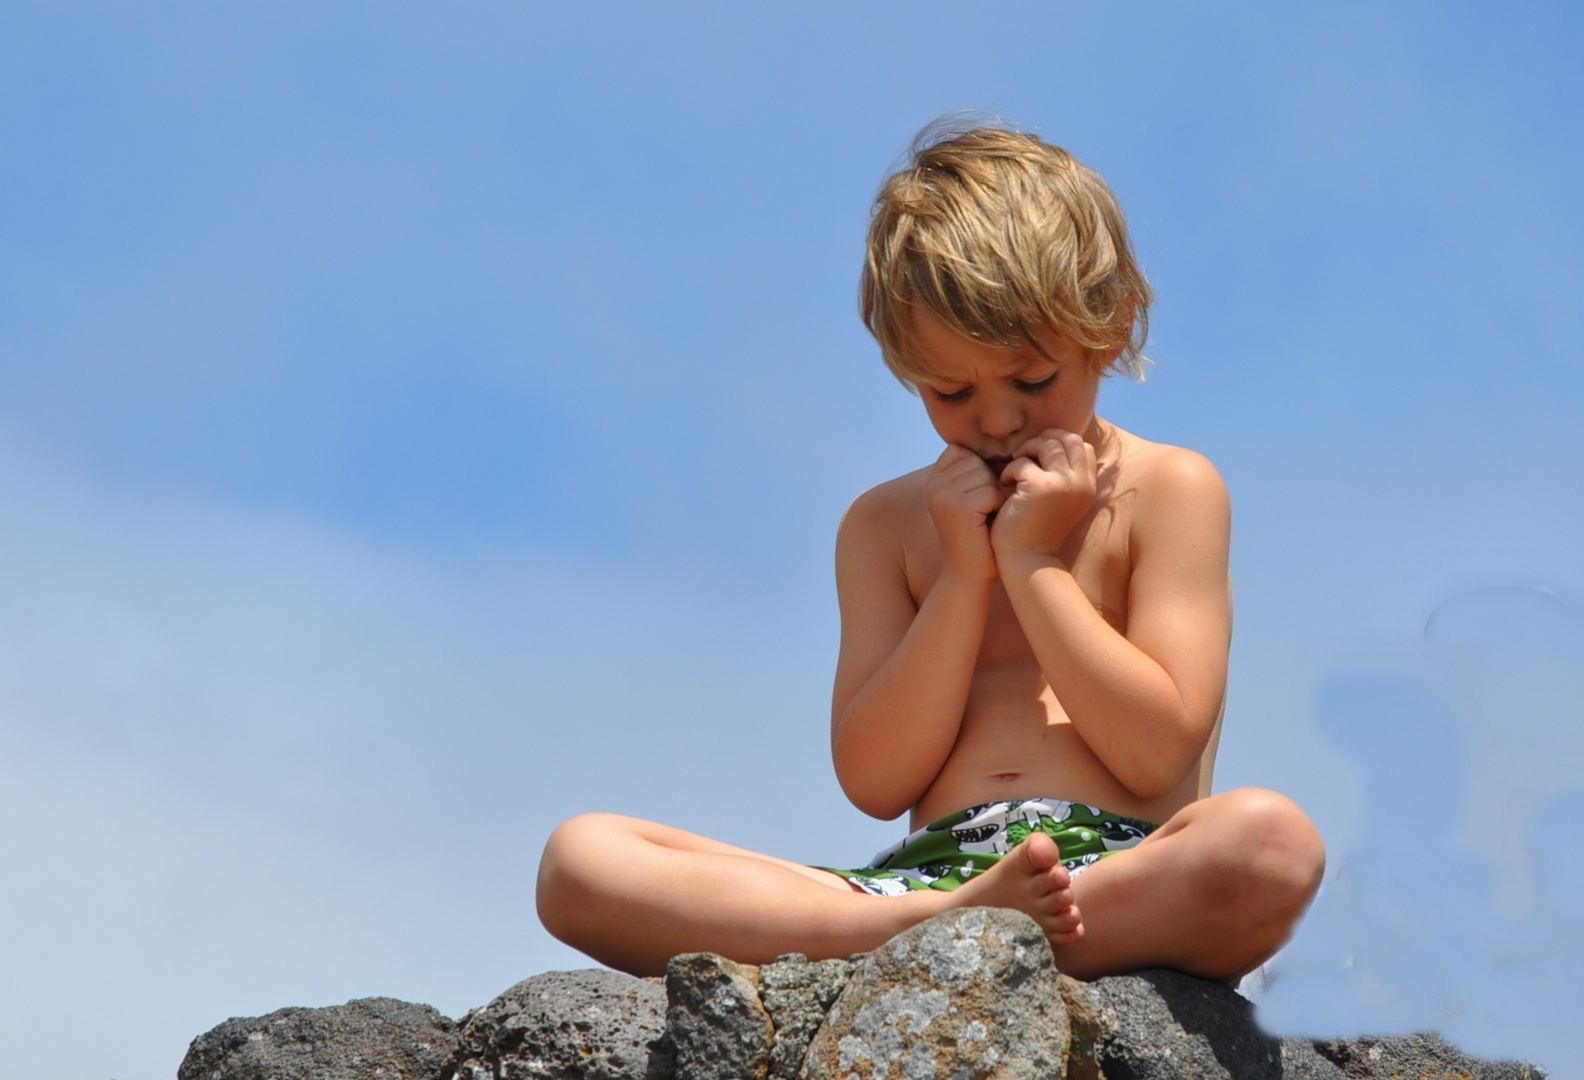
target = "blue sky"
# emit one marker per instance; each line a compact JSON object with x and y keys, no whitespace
{"x":421,"y":423}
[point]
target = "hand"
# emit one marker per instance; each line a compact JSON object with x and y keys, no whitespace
{"x":961,"y":494}
{"x":1052,"y":480}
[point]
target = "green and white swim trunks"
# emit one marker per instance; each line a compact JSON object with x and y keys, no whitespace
{"x":945,"y":853}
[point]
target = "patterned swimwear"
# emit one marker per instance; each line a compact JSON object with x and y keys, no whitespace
{"x":945,"y":853}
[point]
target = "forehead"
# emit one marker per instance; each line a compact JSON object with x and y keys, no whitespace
{"x":942,"y":354}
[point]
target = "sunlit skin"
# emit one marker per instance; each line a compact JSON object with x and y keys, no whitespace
{"x":1044,"y":611}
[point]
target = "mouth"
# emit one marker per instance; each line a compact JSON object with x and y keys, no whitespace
{"x":997,"y":465}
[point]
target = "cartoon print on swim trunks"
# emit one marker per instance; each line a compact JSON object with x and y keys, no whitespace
{"x":945,"y":853}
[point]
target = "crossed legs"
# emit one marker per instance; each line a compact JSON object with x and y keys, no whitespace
{"x":1214,"y":891}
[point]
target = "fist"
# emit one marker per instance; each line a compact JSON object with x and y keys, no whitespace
{"x":1050,"y":486}
{"x":961,"y":495}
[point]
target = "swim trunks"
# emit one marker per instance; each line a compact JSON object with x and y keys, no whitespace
{"x":945,"y":853}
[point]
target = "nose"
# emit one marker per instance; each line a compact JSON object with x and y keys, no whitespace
{"x":1002,"y":417}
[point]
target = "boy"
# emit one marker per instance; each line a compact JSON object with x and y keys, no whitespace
{"x":1034,"y":628}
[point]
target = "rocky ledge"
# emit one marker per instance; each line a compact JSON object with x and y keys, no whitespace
{"x":970,"y":995}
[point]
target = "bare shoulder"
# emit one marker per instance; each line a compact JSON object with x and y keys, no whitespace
{"x":885,"y":512}
{"x":1175,"y":488}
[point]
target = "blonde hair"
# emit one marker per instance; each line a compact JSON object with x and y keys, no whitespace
{"x":997,"y":233}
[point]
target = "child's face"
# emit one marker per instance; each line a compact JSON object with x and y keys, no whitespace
{"x":992,"y":400}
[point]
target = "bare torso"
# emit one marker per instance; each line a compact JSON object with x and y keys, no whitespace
{"x":1015,"y":740}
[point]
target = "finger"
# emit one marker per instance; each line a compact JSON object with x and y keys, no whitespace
{"x":1018,"y":470}
{"x":968,"y":477}
{"x":1073,"y":446}
{"x":984,"y":498}
{"x":956,"y":467}
{"x":952,"y":454}
{"x":1057,"y":453}
{"x":968,"y":486}
{"x":1037,"y":445}
{"x":1049,"y":448}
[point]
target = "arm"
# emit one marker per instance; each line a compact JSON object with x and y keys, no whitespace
{"x":1145,"y":703}
{"x":904,"y":671}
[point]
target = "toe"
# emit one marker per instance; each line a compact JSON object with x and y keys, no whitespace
{"x":1066,"y":928}
{"x":1057,"y":900}
{"x":1070,"y":938}
{"x":1041,"y":851}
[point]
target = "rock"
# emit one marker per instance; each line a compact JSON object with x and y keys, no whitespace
{"x":1161,"y":1024}
{"x":714,"y":1018}
{"x":566,"y":1025}
{"x":970,"y":994}
{"x":361,"y":1040}
{"x":1425,"y":1056}
{"x":1301,"y":1061}
{"x":797,"y":994}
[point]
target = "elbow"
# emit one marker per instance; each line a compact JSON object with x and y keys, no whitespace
{"x":1149,"y":784}
{"x":1162,"y":762}
{"x":1158,"y":775}
{"x":875,"y":799}
{"x":881,"y":809}
{"x":870,"y":798}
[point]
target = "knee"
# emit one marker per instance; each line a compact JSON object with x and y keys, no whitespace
{"x":562,"y":889}
{"x":1269,"y":849}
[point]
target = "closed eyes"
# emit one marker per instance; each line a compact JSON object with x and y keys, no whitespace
{"x":1023,"y":386}
{"x":1035,"y":387}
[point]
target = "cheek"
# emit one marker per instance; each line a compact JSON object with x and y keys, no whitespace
{"x":945,"y":421}
{"x":1072,"y":410}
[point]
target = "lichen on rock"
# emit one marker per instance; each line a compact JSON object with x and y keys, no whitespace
{"x":968,"y":995}
{"x":797,"y":993}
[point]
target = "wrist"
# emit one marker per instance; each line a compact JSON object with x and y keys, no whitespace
{"x":968,"y":581}
{"x":1024,"y":564}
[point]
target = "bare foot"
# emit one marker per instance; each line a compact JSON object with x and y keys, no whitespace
{"x":1031,"y":879}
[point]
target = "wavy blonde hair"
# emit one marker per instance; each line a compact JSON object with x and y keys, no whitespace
{"x":997,"y":233}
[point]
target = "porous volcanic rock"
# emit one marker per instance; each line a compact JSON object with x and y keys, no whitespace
{"x":968,"y":995}
{"x":566,"y":1025}
{"x":1425,"y":1056}
{"x":972,"y":994}
{"x":1160,"y":1025}
{"x":715,"y":1020}
{"x":362,"y":1040}
{"x":797,"y":993}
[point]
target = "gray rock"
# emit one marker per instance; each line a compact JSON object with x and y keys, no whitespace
{"x":1425,"y":1056}
{"x":1301,"y":1061}
{"x":797,"y":994}
{"x":715,"y":1020}
{"x":567,"y":1025}
{"x":361,"y":1040}
{"x":970,"y":994}
{"x":1161,"y":1025}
